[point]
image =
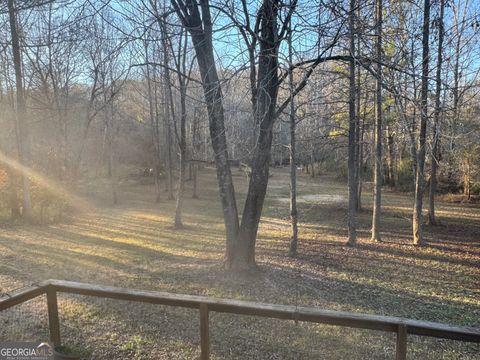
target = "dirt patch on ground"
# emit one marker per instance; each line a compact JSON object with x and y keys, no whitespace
{"x":324,"y":199}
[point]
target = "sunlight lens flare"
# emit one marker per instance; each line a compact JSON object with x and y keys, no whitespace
{"x":45,"y":183}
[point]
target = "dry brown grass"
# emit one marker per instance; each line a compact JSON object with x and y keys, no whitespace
{"x":135,"y":245}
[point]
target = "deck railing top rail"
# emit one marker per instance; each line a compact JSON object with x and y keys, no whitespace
{"x":398,"y":325}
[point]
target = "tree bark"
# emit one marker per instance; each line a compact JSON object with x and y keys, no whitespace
{"x":182,"y":144}
{"x":358,"y":131}
{"x":352,"y":134}
{"x":436,"y":119}
{"x":419,"y":185}
{"x":267,"y":86}
{"x":195,"y":151}
{"x":214,"y":99}
{"x":200,"y":28}
{"x":240,"y":253}
{"x":391,"y":155}
{"x":377,"y":187}
{"x":169,"y":111}
{"x":152,"y":107}
{"x":293,"y":165}
{"x":21,"y":111}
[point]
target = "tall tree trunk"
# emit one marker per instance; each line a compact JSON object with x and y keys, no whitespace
{"x":183,"y":165}
{"x":360,"y":166}
{"x":377,"y":179}
{"x":110,"y":136}
{"x":202,"y":43}
{"x":358,"y":132}
{"x":312,"y":160}
{"x":293,"y":165}
{"x":436,"y":119}
{"x":195,"y":151}
{"x":456,"y":80}
{"x":391,"y":155}
{"x":21,"y":110}
{"x":412,"y":128}
{"x":169,"y":110}
{"x":240,"y":245}
{"x":267,"y":86}
{"x":467,"y":177}
{"x":111,"y":174}
{"x":15,"y":211}
{"x":352,"y":137}
{"x":182,"y":143}
{"x":152,"y":107}
{"x":419,"y":185}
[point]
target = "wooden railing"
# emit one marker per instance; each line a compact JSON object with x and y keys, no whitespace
{"x":402,"y":327}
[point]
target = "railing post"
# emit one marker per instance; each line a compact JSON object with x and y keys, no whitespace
{"x":53,"y":321}
{"x":401,"y":342}
{"x":204,"y":333}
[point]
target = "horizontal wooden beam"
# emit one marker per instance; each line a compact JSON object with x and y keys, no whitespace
{"x":288,"y":312}
{"x":22,"y":295}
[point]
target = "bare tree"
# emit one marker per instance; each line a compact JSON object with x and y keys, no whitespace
{"x":197,"y":20}
{"x":436,"y":117}
{"x":181,"y":66}
{"x":377,"y":177}
{"x":352,"y":132}
{"x":21,"y":109}
{"x":293,"y":152}
{"x":420,"y":180}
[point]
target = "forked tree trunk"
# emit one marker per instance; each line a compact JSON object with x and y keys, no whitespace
{"x":420,"y":181}
{"x":267,"y":86}
{"x":240,"y":252}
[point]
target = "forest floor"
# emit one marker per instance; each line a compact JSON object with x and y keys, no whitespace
{"x":133,"y":244}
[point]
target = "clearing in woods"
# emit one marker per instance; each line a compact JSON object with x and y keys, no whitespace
{"x":134,"y":245}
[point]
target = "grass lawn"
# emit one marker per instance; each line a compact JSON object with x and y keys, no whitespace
{"x":134,"y":245}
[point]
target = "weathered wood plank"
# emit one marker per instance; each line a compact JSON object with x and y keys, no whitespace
{"x":401,"y":343}
{"x":204,"y":333}
{"x":53,"y":320}
{"x":340,"y":318}
{"x":21,"y":296}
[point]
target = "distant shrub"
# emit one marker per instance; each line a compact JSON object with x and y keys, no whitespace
{"x":448,"y":180}
{"x":47,"y":206}
{"x":405,"y":175}
{"x":475,"y":188}
{"x":339,"y":168}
